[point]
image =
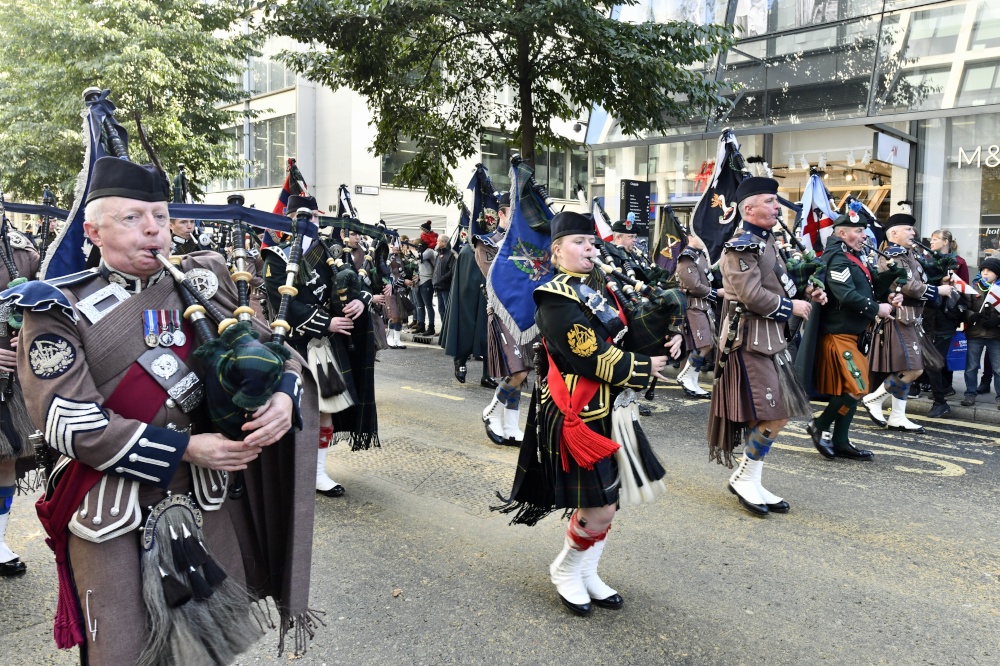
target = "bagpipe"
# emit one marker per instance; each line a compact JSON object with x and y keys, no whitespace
{"x":10,"y":320}
{"x":240,"y":369}
{"x":937,"y":265}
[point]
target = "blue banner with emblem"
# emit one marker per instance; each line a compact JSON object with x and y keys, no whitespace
{"x":68,"y":252}
{"x":485,"y":203}
{"x":523,"y":262}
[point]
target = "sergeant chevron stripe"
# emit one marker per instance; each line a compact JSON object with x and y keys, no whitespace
{"x":66,"y":418}
{"x":841,"y":276}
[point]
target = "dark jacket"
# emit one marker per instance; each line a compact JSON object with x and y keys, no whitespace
{"x":851,"y":303}
{"x":981,"y":322}
{"x":444,"y":268}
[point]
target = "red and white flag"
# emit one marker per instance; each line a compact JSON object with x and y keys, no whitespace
{"x":817,"y":215}
{"x":961,"y":285}
{"x":992,"y":297}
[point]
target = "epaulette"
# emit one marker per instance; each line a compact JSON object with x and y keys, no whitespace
{"x":895,"y":250}
{"x":558,"y":286}
{"x":489,"y":240}
{"x":73,"y":278}
{"x":745,"y":242}
{"x":278,"y":251}
{"x":38,"y":296}
{"x":691,"y":253}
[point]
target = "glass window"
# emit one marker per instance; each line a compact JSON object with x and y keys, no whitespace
{"x":986,"y":31}
{"x":979,"y":84}
{"x":578,"y":170}
{"x":557,"y":174}
{"x":759,"y":18}
{"x":934,"y":31}
{"x":273,"y":144}
{"x":268,"y":76}
{"x":391,"y":164}
{"x":496,"y":158}
{"x":234,"y":150}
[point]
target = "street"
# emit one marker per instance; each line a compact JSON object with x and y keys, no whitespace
{"x":890,"y":562}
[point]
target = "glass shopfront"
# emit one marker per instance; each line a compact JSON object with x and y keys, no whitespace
{"x":958,"y":182}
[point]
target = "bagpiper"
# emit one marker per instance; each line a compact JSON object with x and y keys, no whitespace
{"x":696,"y":277}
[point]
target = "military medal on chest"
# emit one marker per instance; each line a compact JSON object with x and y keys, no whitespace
{"x":180,"y":339}
{"x":150,"y":328}
{"x":166,"y":338}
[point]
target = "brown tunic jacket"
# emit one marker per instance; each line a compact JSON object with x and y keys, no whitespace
{"x":69,"y":370}
{"x":693,"y":273}
{"x":753,"y":275}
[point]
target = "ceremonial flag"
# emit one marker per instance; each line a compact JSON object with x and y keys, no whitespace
{"x":286,"y":191}
{"x":992,"y":297}
{"x":522,"y":264}
{"x":69,"y":251}
{"x":961,"y":285}
{"x":671,"y":240}
{"x":715,"y":216}
{"x":602,"y":224}
{"x":485,"y":203}
{"x":817,"y":215}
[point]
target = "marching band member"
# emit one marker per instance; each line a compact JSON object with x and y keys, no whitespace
{"x":695,"y":277}
{"x":841,"y":365}
{"x":898,"y":347}
{"x":586,"y":373}
{"x":757,"y":392}
{"x":507,"y":359}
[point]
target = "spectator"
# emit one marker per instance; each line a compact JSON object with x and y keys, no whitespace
{"x":941,"y":320}
{"x":425,"y":289}
{"x":444,"y":268}
{"x":982,"y":330}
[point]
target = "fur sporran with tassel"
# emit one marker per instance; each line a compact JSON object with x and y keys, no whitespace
{"x":197,"y":613}
{"x":640,"y":474}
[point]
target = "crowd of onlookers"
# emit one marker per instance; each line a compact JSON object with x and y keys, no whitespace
{"x":969,"y":315}
{"x":429,"y":264}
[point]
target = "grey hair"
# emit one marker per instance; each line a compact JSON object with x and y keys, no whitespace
{"x":94,"y":211}
{"x":742,"y":206}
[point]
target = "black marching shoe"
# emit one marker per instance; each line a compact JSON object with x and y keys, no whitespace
{"x":614,"y":602}
{"x":583,"y":610}
{"x":13,"y":568}
{"x":488,"y":382}
{"x":983,"y":388}
{"x":460,"y":372}
{"x":644,"y":410}
{"x":821,"y":440}
{"x":336,"y":491}
{"x":650,"y":393}
{"x":851,"y":452}
{"x":938,"y":410}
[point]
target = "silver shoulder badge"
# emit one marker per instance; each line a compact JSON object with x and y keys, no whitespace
{"x":204,"y":280}
{"x":18,"y":240}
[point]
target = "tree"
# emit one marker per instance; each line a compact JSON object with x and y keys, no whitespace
{"x":169,"y":63}
{"x":429,"y":70}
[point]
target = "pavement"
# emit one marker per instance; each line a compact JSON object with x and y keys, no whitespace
{"x":896,"y":561}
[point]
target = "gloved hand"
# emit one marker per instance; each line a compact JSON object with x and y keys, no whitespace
{"x":991,"y":322}
{"x":975,"y":318}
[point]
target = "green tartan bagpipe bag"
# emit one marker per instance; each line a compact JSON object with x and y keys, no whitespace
{"x":651,"y":321}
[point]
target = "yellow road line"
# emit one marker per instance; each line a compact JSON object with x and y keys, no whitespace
{"x":436,"y":395}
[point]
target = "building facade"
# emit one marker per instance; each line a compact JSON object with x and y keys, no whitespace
{"x":891,"y":100}
{"x":329,"y":134}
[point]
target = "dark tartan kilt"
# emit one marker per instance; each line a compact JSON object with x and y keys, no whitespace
{"x":834,"y":375}
{"x":700,"y":331}
{"x":579,"y":488}
{"x":750,"y":389}
{"x":378,"y":326}
{"x":897,"y":348}
{"x":504,"y":357}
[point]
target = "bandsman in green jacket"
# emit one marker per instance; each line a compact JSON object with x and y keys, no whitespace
{"x":841,"y":364}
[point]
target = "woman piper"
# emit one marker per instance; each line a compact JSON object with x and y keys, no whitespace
{"x":568,"y":461}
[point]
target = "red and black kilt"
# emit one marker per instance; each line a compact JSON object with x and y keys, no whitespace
{"x":840,"y":367}
{"x":896,"y":349}
{"x":700,"y":331}
{"x":578,"y":488}
{"x":504,"y":357}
